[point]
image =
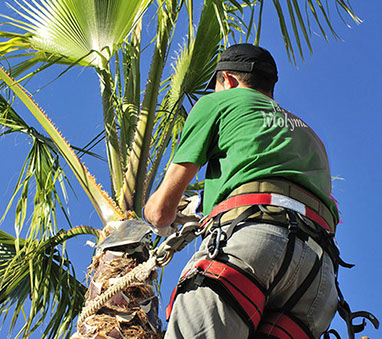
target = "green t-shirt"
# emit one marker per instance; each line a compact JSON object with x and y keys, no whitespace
{"x":245,"y":136}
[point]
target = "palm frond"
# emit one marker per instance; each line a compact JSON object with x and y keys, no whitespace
{"x":131,"y":95}
{"x":104,"y":205}
{"x":73,"y":28}
{"x":133,"y":188}
{"x":42,"y":167}
{"x":111,"y":134}
{"x":37,"y":270}
{"x":314,"y":9}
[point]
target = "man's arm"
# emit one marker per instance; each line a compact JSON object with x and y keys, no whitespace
{"x":160,"y":209}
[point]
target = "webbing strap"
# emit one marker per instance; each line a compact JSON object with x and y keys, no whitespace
{"x":300,"y":291}
{"x":267,"y":199}
{"x":282,"y":325}
{"x":244,"y":288}
{"x":344,"y":311}
{"x":240,"y":289}
{"x":288,"y":252}
{"x":242,"y":217}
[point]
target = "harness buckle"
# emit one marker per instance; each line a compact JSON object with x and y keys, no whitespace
{"x":292,"y":221}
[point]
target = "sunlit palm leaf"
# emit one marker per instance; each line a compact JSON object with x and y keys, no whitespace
{"x":73,"y":28}
{"x":104,"y":205}
{"x":85,"y":32}
{"x":131,"y":94}
{"x":42,"y":167}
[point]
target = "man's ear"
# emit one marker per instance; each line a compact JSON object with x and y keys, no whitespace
{"x":230,"y":80}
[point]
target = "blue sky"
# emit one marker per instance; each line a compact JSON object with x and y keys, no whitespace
{"x":335,"y":91}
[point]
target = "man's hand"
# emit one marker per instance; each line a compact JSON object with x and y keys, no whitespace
{"x":161,"y":208}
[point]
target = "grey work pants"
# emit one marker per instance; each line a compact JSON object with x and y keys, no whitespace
{"x":258,"y":248}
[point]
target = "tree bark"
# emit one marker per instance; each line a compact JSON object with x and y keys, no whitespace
{"x":132,"y":313}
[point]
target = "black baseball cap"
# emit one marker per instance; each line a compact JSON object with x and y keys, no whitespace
{"x":245,"y":58}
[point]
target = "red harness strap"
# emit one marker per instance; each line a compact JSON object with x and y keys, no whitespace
{"x":173,"y":296}
{"x":267,"y":199}
{"x":283,"y":326}
{"x":244,"y":290}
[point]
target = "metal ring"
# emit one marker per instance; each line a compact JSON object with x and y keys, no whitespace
{"x":166,"y":258}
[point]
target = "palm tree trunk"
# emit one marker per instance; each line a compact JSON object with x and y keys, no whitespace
{"x":132,"y":313}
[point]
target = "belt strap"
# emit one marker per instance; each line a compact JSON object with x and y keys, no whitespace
{"x":293,"y":227}
{"x":272,"y":199}
{"x":289,"y":189}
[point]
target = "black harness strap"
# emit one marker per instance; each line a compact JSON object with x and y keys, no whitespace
{"x":327,"y":243}
{"x":242,"y":217}
{"x":328,"y":333}
{"x":296,"y":296}
{"x":293,"y":228}
{"x":214,"y":242}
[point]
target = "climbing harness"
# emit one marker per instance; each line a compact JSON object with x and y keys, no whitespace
{"x":238,"y":287}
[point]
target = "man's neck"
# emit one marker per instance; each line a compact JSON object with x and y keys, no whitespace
{"x":267,"y":93}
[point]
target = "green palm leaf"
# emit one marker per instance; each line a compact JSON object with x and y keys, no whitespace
{"x":135,"y":177}
{"x":36,"y":269}
{"x":75,"y":28}
{"x":84,"y":32}
{"x":313,"y":8}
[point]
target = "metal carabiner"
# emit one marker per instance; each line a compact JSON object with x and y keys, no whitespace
{"x":163,"y":256}
{"x":214,"y":243}
{"x":176,"y":242}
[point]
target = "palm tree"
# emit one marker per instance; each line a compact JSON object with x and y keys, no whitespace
{"x":140,"y":132}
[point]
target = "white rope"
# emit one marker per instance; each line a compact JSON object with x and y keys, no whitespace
{"x":140,"y":273}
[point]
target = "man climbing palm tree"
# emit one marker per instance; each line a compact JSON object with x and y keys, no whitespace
{"x":266,"y":266}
